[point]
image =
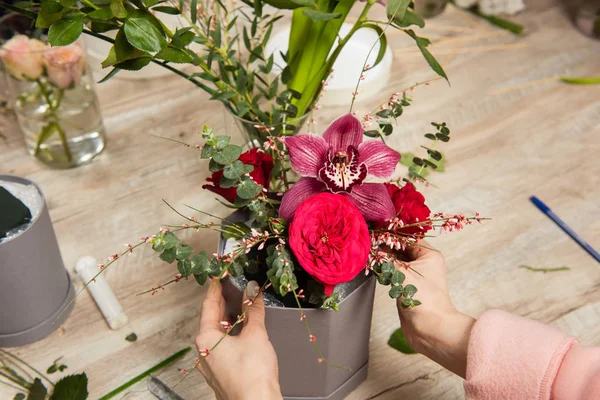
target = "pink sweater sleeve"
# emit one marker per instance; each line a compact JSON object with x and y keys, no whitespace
{"x":510,"y":357}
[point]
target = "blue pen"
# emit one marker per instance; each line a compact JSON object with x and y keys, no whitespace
{"x":546,"y":210}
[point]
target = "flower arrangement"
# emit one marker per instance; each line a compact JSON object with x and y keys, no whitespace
{"x":232,"y":66}
{"x":54,"y":70}
{"x":304,"y":239}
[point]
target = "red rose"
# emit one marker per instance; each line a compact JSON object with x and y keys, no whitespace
{"x":330,"y":238}
{"x":263,"y":165}
{"x":410,"y":208}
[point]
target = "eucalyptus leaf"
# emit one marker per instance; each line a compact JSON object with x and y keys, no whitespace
{"x":200,"y":263}
{"x":234,"y":170}
{"x":183,"y":251}
{"x":248,"y":189}
{"x":184,"y":267}
{"x":228,"y":155}
{"x":168,"y":255}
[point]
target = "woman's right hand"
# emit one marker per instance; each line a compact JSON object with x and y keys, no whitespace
{"x":435,"y":328}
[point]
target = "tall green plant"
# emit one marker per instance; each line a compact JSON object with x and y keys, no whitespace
{"x":233,"y":66}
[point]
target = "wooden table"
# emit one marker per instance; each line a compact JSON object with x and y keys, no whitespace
{"x":516,"y":131}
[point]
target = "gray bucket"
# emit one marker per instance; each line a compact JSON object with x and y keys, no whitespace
{"x":34,"y":285}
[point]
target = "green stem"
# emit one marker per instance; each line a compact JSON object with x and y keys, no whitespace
{"x":581,"y":81}
{"x":26,"y":364}
{"x":544,"y":270}
{"x":53,"y":108}
{"x":144,"y":374}
{"x":515,"y":28}
{"x":90,"y":4}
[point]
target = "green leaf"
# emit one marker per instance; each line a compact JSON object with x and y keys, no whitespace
{"x":228,"y":155}
{"x":382,"y":43}
{"x":248,"y":189}
{"x":18,"y":10}
{"x":174,"y":55}
{"x":316,"y":15}
{"x":132,"y":337}
{"x":223,"y":96}
{"x":214,"y":166}
{"x":134,"y":65}
{"x":222,"y":142}
{"x":409,"y":291}
{"x":183,"y":251}
{"x":200,"y":263}
{"x":236,"y":230}
{"x":193,"y":11}
{"x":399,"y":342}
{"x":102,"y":13}
{"x":395,"y":292}
{"x":422,"y":44}
{"x":167,"y":10}
{"x":51,"y":6}
{"x":19,"y":396}
{"x":143,"y":35}
{"x":398,"y":278}
{"x":234,"y":170}
{"x":169,"y":240}
{"x":168,"y":255}
{"x":387,"y":269}
{"x":38,"y":391}
{"x":410,"y":18}
{"x":72,"y":387}
{"x":44,"y":20}
{"x":118,"y":9}
{"x":201,"y":278}
{"x":304,"y":3}
{"x":65,"y":31}
{"x":396,"y":9}
{"x":184,"y":267}
{"x":122,"y":51}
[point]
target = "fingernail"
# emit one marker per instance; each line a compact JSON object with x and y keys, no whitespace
{"x":252,"y":289}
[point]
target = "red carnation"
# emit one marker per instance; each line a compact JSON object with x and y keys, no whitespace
{"x":263,"y":165}
{"x":330,"y":238}
{"x":410,"y":208}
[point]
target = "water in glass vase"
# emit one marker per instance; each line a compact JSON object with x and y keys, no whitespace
{"x":62,"y":127}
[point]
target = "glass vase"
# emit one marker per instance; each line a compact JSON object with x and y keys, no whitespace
{"x":52,"y":92}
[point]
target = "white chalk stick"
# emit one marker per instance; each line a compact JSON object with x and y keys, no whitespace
{"x":110,"y":307}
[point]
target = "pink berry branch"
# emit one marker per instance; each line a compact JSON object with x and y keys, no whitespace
{"x":228,"y":327}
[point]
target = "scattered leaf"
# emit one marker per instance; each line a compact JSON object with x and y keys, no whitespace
{"x":399,"y":342}
{"x":132,"y":337}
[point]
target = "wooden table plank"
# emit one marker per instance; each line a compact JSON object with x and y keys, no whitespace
{"x":511,"y":139}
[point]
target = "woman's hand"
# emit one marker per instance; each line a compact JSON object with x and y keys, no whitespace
{"x":435,"y":328}
{"x":243,"y":366}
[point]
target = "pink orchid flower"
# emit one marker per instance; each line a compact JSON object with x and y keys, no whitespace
{"x":340,"y":162}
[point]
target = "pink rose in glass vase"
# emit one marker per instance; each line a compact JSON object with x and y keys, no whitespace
{"x":64,"y":65}
{"x":23,"y":57}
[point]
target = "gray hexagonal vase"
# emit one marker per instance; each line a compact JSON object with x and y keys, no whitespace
{"x":342,"y":335}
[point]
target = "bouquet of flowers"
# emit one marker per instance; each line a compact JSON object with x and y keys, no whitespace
{"x":53,"y":71}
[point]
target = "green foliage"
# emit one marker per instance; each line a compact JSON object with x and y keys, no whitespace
{"x":65,"y":31}
{"x":399,"y":342}
{"x":56,"y":367}
{"x":331,"y":302}
{"x":418,"y":167}
{"x":235,"y":230}
{"x":37,"y":391}
{"x":281,"y":269}
{"x":132,"y":337}
{"x":422,"y":44}
{"x":143,"y":35}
